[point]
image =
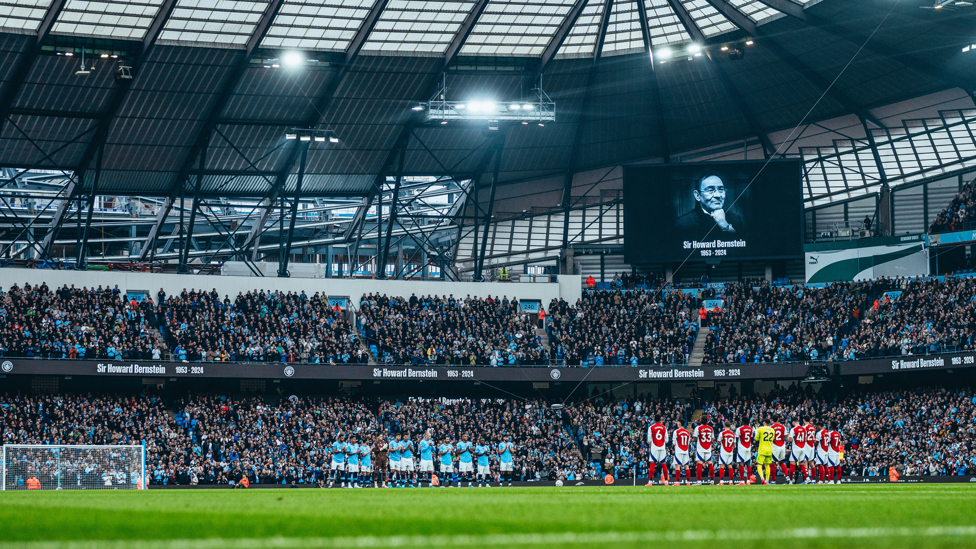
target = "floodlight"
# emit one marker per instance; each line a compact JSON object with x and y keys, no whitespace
{"x":104,"y":56}
{"x":724,"y":48}
{"x":749,"y":42}
{"x":514,"y":107}
{"x":320,"y":139}
{"x":418,"y":108}
{"x":664,"y":53}
{"x":528,"y":107}
{"x":443,"y":122}
{"x":69,"y":53}
{"x":305,"y":138}
{"x":291,"y":136}
{"x":694,"y":48}
{"x":333,"y":138}
{"x":293,"y":59}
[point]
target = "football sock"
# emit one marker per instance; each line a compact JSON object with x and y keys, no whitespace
{"x":792,"y":471}
{"x":742,"y":473}
{"x":721,"y":473}
{"x":711,"y":471}
{"x":698,"y":472}
{"x":650,"y":471}
{"x":768,"y":477}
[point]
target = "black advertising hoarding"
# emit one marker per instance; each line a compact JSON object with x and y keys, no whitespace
{"x":713,"y":210}
{"x":23,"y":366}
{"x":395,"y":373}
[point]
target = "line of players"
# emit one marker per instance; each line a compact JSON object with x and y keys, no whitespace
{"x":814,"y":449}
{"x":352,"y":461}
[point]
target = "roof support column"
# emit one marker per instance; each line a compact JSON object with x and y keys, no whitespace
{"x":285,"y":246}
{"x":83,"y":246}
{"x":480,"y":259}
{"x":381,"y":260}
{"x":185,"y":251}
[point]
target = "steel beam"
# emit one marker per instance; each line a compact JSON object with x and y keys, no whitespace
{"x":462,"y":34}
{"x":83,"y":247}
{"x":730,"y":89}
{"x":184,"y":257}
{"x":150,"y":243}
{"x":480,"y":259}
{"x":381,"y":259}
{"x":223,"y":96}
{"x":122,"y":88}
{"x":561,"y":33}
{"x":59,"y":217}
{"x":286,"y":247}
{"x":587,"y":98}
{"x":22,"y":70}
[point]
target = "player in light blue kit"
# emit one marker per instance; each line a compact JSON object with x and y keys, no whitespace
{"x":352,"y":463}
{"x":447,"y":462}
{"x":406,"y":462}
{"x":426,"y":448}
{"x":338,"y":467}
{"x":505,"y":465}
{"x":395,"y":461}
{"x":465,"y":465}
{"x":484,"y":472}
{"x":365,"y":463}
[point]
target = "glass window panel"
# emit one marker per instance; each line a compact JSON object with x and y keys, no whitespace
{"x":334,"y":23}
{"x":22,"y":15}
{"x":104,"y":19}
{"x":224,"y":22}
{"x":754,"y":9}
{"x":707,"y":18}
{"x":582,"y":38}
{"x":623,"y":31}
{"x":516,"y":27}
{"x":421,"y":27}
{"x":663,"y":24}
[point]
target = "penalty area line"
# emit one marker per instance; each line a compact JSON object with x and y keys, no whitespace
{"x":575,"y":538}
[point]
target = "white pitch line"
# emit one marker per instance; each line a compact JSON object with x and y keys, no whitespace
{"x":601,"y":538}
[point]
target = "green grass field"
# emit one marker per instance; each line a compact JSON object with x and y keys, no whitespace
{"x":713,"y":516}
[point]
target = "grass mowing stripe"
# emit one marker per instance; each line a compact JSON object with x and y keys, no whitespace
{"x":554,"y":539}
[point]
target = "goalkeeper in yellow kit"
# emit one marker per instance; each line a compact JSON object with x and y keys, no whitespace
{"x":764,"y":458}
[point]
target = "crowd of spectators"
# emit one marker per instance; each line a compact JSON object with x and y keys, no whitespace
{"x":959,"y":214}
{"x":843,"y":321}
{"x":756,"y":323}
{"x":447,"y":330}
{"x":258,"y":327}
{"x":69,"y":322}
{"x":638,"y":327}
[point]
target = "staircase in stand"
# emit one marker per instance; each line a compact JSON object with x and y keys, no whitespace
{"x":698,"y":351}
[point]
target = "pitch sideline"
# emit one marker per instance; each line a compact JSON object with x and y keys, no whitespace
{"x":504,"y":539}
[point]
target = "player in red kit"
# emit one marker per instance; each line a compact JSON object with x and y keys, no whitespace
{"x":779,"y":452}
{"x":833,"y":455}
{"x":811,"y":451}
{"x":726,"y":455}
{"x":823,"y":447}
{"x":682,"y":452}
{"x":657,"y":436}
{"x":798,"y":450}
{"x":704,"y":439}
{"x":743,"y":451}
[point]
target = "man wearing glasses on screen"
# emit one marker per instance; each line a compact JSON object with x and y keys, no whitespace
{"x":709,"y":213}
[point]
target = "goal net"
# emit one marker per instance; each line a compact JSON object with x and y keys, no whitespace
{"x":54,"y":467}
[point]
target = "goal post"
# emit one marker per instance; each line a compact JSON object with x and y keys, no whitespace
{"x":72,"y":467}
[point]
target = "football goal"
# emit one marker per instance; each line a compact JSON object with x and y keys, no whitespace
{"x":57,"y":467}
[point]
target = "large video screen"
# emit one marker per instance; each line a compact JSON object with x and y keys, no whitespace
{"x":715,"y":210}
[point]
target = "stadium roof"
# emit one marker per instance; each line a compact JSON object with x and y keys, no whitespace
{"x":209,"y":82}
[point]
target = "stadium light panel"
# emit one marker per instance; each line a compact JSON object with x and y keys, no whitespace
{"x":665,"y":53}
{"x":749,"y":42}
{"x":291,"y":136}
{"x":305,"y":138}
{"x":694,"y":49}
{"x":292,"y":59}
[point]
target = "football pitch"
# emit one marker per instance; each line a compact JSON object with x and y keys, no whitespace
{"x":937,"y":515}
